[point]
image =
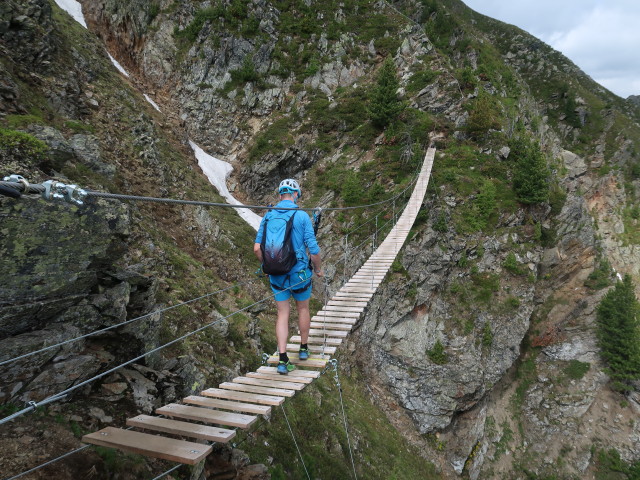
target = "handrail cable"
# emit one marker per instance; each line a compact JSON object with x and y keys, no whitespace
{"x":53,"y":398}
{"x":126,"y":322}
{"x":39,"y":188}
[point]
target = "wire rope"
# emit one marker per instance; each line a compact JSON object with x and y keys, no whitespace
{"x":295,"y":442}
{"x":31,"y":470}
{"x":37,"y":188}
{"x":53,"y":398}
{"x":126,"y":322}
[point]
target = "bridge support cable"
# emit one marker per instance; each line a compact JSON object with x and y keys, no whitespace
{"x":265,"y":387}
{"x":126,"y":322}
{"x":293,"y":437}
{"x":334,"y":364}
{"x":50,"y":462}
{"x":59,"y":396}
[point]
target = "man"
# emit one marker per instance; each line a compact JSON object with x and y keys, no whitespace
{"x":297,"y":281}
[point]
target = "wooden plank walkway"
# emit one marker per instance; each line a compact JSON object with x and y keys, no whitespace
{"x":236,"y":403}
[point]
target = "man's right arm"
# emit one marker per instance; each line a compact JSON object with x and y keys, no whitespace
{"x":317,"y":264}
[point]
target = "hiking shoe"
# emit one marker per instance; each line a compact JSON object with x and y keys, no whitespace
{"x":285,"y":367}
{"x":303,"y":354}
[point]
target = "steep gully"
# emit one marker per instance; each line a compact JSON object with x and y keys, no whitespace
{"x":215,"y":169}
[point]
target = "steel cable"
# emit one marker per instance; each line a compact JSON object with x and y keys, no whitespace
{"x":126,"y":322}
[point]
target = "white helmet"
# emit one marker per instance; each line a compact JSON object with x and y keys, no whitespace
{"x":289,"y":185}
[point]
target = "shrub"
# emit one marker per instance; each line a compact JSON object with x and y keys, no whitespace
{"x":484,"y":116}
{"x":486,"y":200}
{"x":246,"y":73}
{"x":384,"y":104}
{"x":14,"y":144}
{"x":531,"y":175}
{"x":440,"y":225}
{"x":487,"y":335}
{"x":352,"y":190}
{"x":437,"y":354}
{"x":192,"y":30}
{"x":511,"y":264}
{"x":601,"y":276}
{"x":619,"y":333}
{"x":419,"y":80}
{"x":577,"y":369}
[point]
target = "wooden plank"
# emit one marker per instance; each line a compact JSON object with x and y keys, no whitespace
{"x":295,"y":373}
{"x":185,"y":429}
{"x":155,"y":446}
{"x":332,"y":326}
{"x":294,"y":347}
{"x":363,"y":283}
{"x":280,"y":378}
{"x":331,"y":313}
{"x":207,"y":415}
{"x":342,"y":308}
{"x":352,"y":296}
{"x":347,"y":303}
{"x":328,"y":333}
{"x":318,"y":340}
{"x":323,"y":319}
{"x":311,"y":362}
{"x":243,"y":397}
{"x":263,"y":382}
{"x":347,"y":289}
{"x":227,"y":405}
{"x":239,"y":387}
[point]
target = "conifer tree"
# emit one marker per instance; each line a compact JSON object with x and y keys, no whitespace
{"x":384,"y":104}
{"x":531,"y":175}
{"x":619,"y":333}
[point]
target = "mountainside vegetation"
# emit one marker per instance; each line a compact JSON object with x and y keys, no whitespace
{"x":500,"y":344}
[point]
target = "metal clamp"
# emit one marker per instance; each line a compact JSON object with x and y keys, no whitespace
{"x":265,"y":358}
{"x":59,"y":191}
{"x":18,"y":179}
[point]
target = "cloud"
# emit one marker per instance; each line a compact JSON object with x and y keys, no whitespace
{"x":600,"y":36}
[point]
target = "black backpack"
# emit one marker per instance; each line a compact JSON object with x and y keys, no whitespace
{"x":278,"y":255}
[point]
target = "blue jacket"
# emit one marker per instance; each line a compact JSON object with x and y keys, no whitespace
{"x":302,"y":238}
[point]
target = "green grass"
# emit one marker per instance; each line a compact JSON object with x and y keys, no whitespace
{"x":576,"y":369}
{"x":316,"y":420}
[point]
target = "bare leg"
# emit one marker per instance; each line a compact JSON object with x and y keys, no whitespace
{"x":304,"y":320}
{"x":282,"y":325}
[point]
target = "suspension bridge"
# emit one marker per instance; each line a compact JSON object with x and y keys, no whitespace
{"x":216,"y":413}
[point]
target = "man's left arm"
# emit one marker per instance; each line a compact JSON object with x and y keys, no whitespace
{"x":257,"y":251}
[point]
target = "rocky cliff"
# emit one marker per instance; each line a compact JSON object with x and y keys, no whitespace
{"x":480,"y":347}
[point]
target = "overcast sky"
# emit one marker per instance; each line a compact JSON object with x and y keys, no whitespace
{"x":602,"y":37}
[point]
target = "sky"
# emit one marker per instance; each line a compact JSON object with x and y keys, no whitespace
{"x":602,"y":37}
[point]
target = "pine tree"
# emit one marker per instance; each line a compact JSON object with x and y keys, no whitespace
{"x":619,"y":333}
{"x":531,"y":175}
{"x":384,"y":105}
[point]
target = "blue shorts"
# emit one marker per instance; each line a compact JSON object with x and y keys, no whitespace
{"x":302,"y":292}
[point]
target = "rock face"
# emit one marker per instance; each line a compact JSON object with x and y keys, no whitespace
{"x":403,"y":330}
{"x":446,"y":337}
{"x":56,"y":287}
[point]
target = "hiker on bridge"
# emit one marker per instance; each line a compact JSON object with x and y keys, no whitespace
{"x":281,"y":246}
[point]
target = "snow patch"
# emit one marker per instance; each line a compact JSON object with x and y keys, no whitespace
{"x":217,"y":172}
{"x":73,"y":8}
{"x":118,"y":66}
{"x":155,"y":105}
